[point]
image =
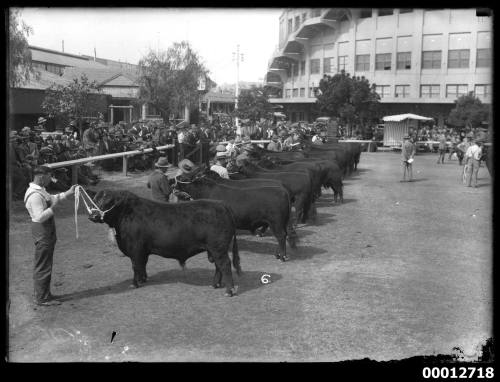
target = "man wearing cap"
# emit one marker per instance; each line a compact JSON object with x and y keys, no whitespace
{"x":158,"y":181}
{"x":89,"y":139}
{"x":472,"y":161}
{"x":442,"y":149}
{"x":275,"y":144}
{"x":41,"y":122}
{"x":220,"y":165}
{"x":462,"y":148}
{"x":41,"y":205}
{"x":408,"y":151}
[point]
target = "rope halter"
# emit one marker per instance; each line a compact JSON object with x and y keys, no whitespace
{"x":80,"y":191}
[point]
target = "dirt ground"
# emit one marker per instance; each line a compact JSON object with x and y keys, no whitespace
{"x":398,"y":270}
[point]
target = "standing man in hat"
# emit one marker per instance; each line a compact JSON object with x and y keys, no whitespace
{"x":41,"y":205}
{"x":41,"y":123}
{"x":408,"y":151}
{"x":220,"y":165}
{"x":472,"y":161}
{"x":158,"y":181}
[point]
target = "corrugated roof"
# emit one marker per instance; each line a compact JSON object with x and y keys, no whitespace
{"x":44,"y":81}
{"x":402,"y":117}
{"x":100,"y":75}
{"x":64,"y":59}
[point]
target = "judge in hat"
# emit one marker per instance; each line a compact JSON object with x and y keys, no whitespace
{"x":275,"y":144}
{"x":158,"y":181}
{"x":408,"y":151}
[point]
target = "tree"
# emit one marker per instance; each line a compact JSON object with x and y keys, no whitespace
{"x":469,"y":112}
{"x":170,"y":80}
{"x":77,"y":100}
{"x":20,"y":65}
{"x":253,"y":103}
{"x":352,"y":99}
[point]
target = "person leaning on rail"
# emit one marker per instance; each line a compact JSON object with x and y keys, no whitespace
{"x":41,"y":205}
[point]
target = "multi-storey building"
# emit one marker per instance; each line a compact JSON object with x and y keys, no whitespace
{"x":421,"y":60}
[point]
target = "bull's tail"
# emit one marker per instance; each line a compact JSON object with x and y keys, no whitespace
{"x":236,"y":255}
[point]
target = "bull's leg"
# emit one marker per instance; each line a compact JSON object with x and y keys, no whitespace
{"x":280,"y":234}
{"x":135,"y":268}
{"x":143,"y":276}
{"x":292,"y":236}
{"x":223,"y":263}
{"x":217,"y":281}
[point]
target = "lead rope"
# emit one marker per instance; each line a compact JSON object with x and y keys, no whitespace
{"x":80,"y":192}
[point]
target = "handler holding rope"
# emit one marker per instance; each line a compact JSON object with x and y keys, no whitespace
{"x":40,"y":205}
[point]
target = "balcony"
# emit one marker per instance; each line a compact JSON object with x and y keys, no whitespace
{"x":273,"y":79}
{"x":327,"y":18}
{"x":281,"y":60}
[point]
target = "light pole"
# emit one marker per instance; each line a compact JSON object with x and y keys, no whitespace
{"x":238,"y":57}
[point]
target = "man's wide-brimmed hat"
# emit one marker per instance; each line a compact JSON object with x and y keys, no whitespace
{"x":186,"y":166}
{"x":220,"y":148}
{"x":221,"y":155}
{"x":162,"y":162}
{"x":274,"y":137}
{"x":41,"y":120}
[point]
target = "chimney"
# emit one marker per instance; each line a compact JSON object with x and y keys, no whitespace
{"x":63,"y":46}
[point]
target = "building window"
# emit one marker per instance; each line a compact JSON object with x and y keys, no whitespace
{"x":455,"y":91}
{"x":328,"y":65}
{"x":458,"y":58}
{"x":316,"y":12}
{"x":385,"y":11}
{"x":295,"y":93}
{"x":302,"y":92}
{"x":304,"y":17}
{"x":297,"y":22}
{"x":406,"y":10}
{"x":302,"y":68}
{"x":404,"y":60}
{"x":315,"y":66}
{"x":295,"y":69}
{"x":290,"y":25}
{"x":431,"y":59}
{"x":365,"y":13}
{"x":288,"y":93}
{"x":342,"y":63}
{"x":483,"y":58}
{"x":383,"y":61}
{"x":362,"y":62}
{"x":402,"y":91}
{"x":312,"y":92}
{"x":429,"y":91}
{"x":383,"y":90}
{"x":482,"y":91}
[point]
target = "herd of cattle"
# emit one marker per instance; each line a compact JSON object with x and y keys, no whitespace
{"x":258,"y":197}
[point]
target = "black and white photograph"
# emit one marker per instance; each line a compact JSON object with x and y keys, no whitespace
{"x":271,"y":185}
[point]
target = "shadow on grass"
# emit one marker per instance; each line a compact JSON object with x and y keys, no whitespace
{"x":202,"y":277}
{"x":302,"y":252}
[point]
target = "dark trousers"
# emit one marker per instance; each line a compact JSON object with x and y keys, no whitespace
{"x":44,"y":235}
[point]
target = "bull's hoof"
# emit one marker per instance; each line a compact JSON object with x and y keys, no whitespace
{"x":284,"y":258}
{"x":218,"y":285}
{"x":259,"y":234}
{"x":134,"y":285}
{"x":277,"y":256}
{"x":229,"y":294}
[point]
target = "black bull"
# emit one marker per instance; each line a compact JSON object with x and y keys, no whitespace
{"x":177,"y":231}
{"x":252,"y":207}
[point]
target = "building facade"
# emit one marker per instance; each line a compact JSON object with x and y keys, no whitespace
{"x":421,"y":60}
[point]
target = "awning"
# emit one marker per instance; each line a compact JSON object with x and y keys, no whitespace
{"x":402,"y":117}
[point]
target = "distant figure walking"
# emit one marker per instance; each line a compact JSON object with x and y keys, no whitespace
{"x":408,"y":151}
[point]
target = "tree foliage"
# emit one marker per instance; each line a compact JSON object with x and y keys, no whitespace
{"x":170,"y":80}
{"x":469,"y":112}
{"x":20,"y":64}
{"x":253,"y":103}
{"x":352,"y":99}
{"x":76,"y":100}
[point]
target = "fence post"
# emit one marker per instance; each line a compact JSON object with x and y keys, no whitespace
{"x":74,"y":174}
{"x":124,"y":170}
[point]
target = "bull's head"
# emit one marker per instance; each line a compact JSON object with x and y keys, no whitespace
{"x":105,"y":200}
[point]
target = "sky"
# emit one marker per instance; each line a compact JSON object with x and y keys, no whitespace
{"x":127,"y":34}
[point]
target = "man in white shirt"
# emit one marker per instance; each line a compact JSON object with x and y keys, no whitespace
{"x":220,"y":165}
{"x":40,"y":205}
{"x":472,"y":161}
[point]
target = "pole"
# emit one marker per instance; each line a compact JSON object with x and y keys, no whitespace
{"x":237,"y":85}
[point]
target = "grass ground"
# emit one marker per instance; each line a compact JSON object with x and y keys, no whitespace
{"x":398,"y":270}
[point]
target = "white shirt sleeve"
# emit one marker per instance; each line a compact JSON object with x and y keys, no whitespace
{"x":35,"y":205}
